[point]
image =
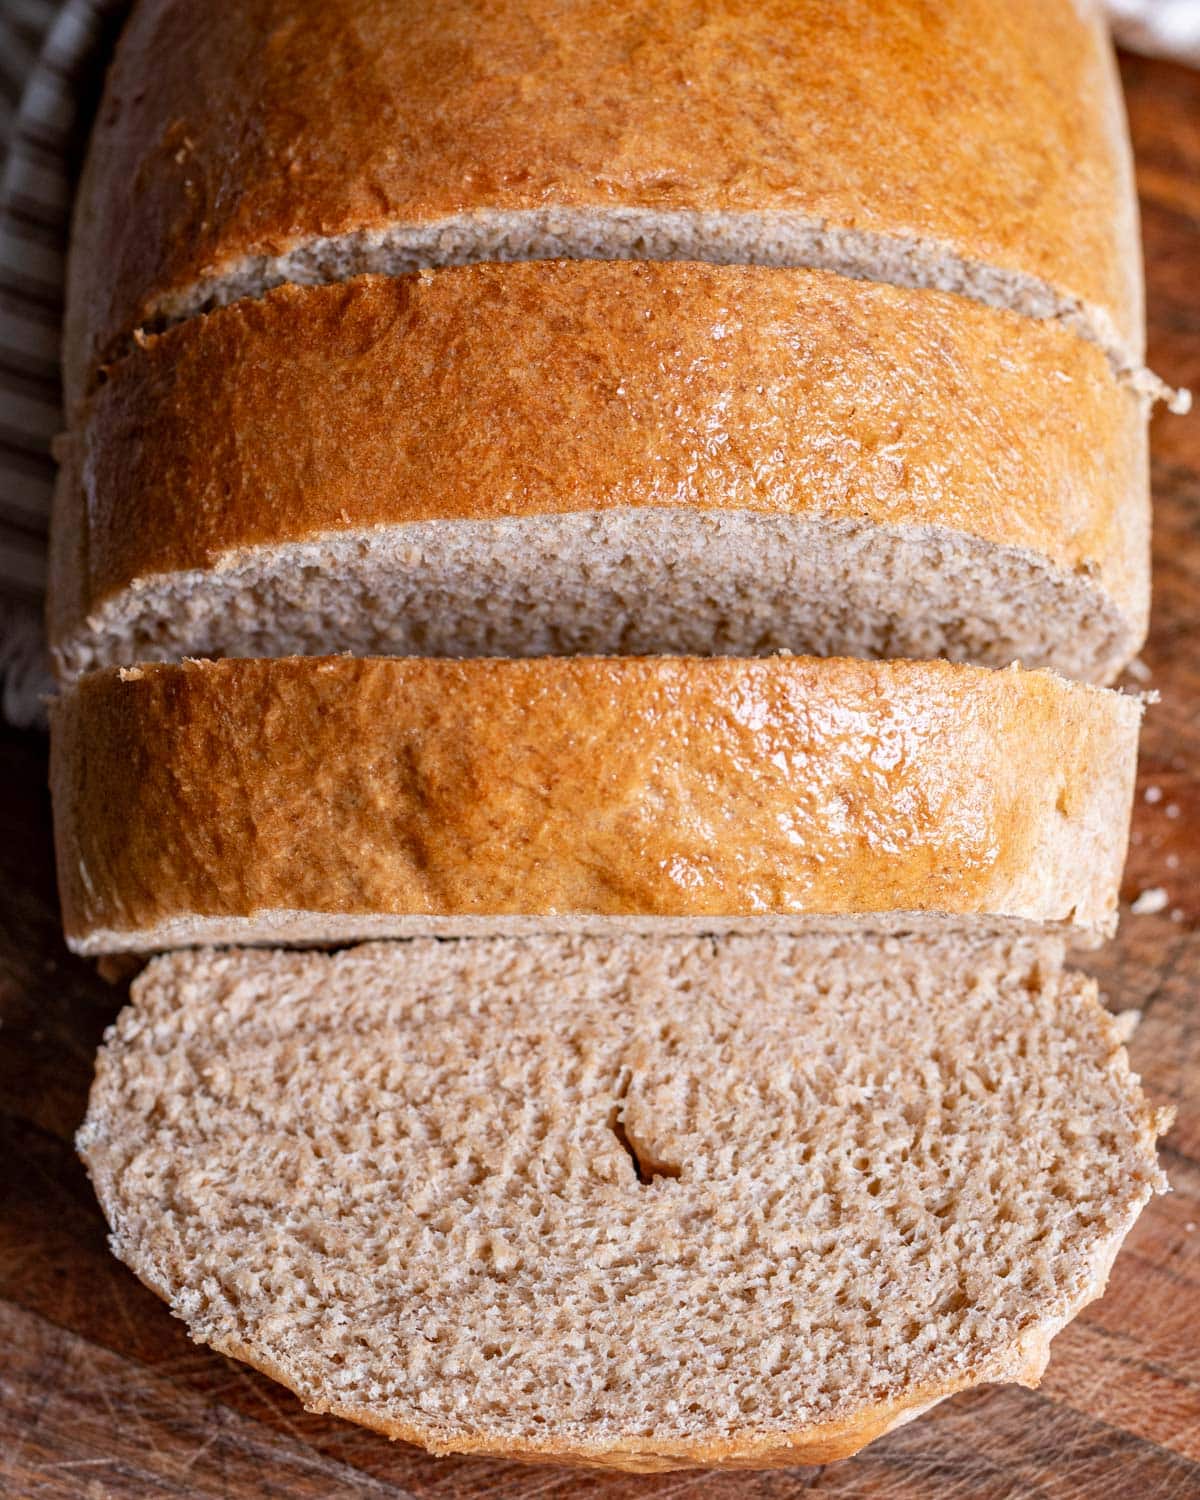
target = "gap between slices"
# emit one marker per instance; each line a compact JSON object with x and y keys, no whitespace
{"x":889,"y":260}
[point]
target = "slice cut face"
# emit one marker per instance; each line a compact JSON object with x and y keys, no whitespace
{"x":330,"y":799}
{"x":648,"y":1203}
{"x":559,"y":458}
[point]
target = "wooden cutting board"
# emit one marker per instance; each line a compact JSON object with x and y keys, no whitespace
{"x":102,"y":1394}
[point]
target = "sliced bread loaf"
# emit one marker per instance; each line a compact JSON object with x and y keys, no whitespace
{"x":645,"y":1203}
{"x":976,"y":147}
{"x":583,"y":457}
{"x":324,"y":800}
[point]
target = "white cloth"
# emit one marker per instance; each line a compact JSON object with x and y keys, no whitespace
{"x":1164,"y":28}
{"x":52,"y":56}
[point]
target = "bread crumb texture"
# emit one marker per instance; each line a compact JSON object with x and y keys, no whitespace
{"x":644,"y":1202}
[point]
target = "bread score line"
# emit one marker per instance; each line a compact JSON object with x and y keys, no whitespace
{"x":332,"y":799}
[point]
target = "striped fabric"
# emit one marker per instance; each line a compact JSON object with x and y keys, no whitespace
{"x":52,"y":55}
{"x":51,"y":62}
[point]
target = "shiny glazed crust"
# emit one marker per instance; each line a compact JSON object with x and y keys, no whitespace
{"x":564,"y":388}
{"x":369,"y":796}
{"x":990,"y":134}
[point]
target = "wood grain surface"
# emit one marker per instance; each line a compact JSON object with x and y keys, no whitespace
{"x":102,"y":1394}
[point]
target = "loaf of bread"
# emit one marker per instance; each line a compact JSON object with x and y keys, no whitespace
{"x":758,"y":1114}
{"x":607,"y":458}
{"x":967,"y":145}
{"x":325,"y":800}
{"x":643,"y":1203}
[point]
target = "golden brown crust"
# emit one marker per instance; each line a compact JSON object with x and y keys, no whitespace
{"x":556,"y":388}
{"x":993,"y":134}
{"x":587,"y":788}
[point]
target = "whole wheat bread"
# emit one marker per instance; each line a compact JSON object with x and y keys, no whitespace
{"x":585,"y":457}
{"x":646,"y":1203}
{"x":975,"y":147}
{"x":326,"y":800}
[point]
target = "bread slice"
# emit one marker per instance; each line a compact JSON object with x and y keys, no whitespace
{"x":649,"y":1203}
{"x":975,"y":147}
{"x":585,"y":457}
{"x":326,"y":800}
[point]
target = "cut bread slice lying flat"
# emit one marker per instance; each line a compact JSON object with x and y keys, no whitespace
{"x":326,"y":800}
{"x":649,"y":1203}
{"x":318,"y":139}
{"x":607,"y":458}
